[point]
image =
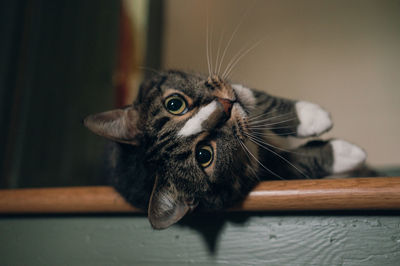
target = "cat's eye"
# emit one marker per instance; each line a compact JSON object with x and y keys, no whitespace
{"x":205,"y":155}
{"x":176,"y":104}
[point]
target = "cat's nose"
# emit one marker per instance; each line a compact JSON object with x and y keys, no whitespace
{"x":221,"y":112}
{"x":227,"y":106}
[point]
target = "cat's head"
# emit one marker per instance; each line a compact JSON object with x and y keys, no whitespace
{"x":191,"y":127}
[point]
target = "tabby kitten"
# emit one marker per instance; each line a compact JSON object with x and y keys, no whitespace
{"x":195,"y":141}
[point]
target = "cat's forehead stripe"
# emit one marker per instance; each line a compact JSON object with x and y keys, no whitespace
{"x":193,"y":125}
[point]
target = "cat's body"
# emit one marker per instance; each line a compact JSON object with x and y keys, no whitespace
{"x":191,"y":140}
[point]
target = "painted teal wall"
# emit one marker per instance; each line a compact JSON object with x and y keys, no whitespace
{"x":206,"y":239}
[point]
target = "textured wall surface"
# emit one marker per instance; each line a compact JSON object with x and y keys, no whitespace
{"x":206,"y":239}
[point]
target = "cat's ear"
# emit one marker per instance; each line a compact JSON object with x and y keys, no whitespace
{"x":121,"y":125}
{"x":165,"y":208}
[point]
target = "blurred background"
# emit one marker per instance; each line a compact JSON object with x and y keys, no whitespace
{"x":62,"y":60}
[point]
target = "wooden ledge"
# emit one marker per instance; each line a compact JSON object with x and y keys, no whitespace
{"x":330,"y":194}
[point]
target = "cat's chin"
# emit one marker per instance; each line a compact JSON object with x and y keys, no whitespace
{"x":239,"y":118}
{"x":244,"y":95}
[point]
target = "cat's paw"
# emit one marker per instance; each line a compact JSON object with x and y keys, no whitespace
{"x":313,"y":119}
{"x":346,"y":156}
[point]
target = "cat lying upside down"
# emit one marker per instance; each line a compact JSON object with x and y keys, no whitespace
{"x":194,"y":141}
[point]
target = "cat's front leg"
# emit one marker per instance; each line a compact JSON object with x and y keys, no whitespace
{"x":286,"y":117}
{"x":314,"y":159}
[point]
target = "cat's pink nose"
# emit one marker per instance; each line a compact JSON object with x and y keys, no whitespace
{"x":227,"y":104}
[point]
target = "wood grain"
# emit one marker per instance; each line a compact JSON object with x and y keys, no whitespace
{"x":63,"y":200}
{"x":330,"y":194}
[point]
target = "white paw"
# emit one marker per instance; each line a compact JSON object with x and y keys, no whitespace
{"x":313,"y":119}
{"x":346,"y":156}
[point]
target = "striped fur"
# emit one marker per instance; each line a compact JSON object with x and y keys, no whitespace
{"x":154,"y":158}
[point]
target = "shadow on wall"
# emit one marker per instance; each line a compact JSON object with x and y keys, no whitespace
{"x":211,"y":225}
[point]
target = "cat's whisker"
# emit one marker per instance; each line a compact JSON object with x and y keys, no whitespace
{"x":233,"y":35}
{"x":218,"y":52}
{"x":207,"y":45}
{"x":255,"y":158}
{"x":273,"y":134}
{"x":227,"y":46}
{"x":283,"y":158}
{"x":264,"y":124}
{"x":259,"y":116}
{"x":271,"y":124}
{"x":233,"y":59}
{"x":262,"y":128}
{"x":228,"y":71}
{"x":280,"y":156}
{"x":253,"y":117}
{"x":271,"y":118}
{"x":245,"y":151}
{"x":211,"y":50}
{"x":272,"y":146}
{"x":251,"y":168}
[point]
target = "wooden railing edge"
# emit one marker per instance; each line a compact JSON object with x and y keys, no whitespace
{"x":382,"y":193}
